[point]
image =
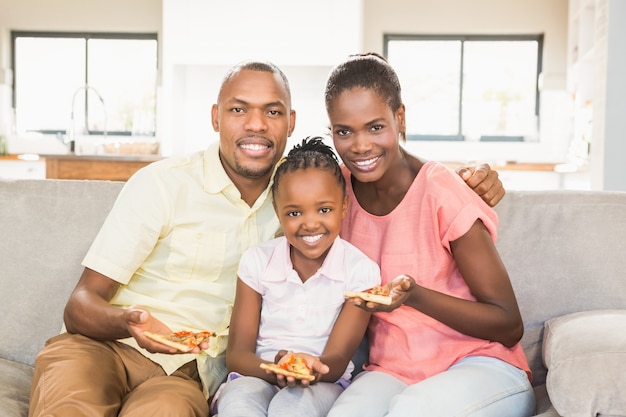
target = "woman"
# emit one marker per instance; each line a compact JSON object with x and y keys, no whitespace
{"x":448,"y":345}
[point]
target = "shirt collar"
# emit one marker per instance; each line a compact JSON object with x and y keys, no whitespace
{"x":279,"y":266}
{"x":215,"y":178}
{"x":217,"y":181}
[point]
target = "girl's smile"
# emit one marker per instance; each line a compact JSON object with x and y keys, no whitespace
{"x":310,"y":205}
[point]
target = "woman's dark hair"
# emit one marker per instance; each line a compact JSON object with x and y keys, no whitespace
{"x":311,"y":153}
{"x":370,"y":71}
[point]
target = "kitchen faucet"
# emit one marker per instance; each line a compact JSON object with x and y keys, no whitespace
{"x":71,"y":132}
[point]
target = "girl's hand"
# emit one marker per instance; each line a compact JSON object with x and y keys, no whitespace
{"x":317,"y":368}
{"x":399,"y":289}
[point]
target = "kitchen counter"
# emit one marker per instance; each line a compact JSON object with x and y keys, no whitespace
{"x":511,"y":165}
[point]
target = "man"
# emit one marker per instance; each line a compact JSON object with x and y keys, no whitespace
{"x":166,"y":260}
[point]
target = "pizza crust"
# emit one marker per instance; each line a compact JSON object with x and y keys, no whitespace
{"x":278,"y":370}
{"x":183,"y":347}
{"x":376,"y":298}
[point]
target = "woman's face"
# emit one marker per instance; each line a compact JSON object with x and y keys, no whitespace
{"x":365,"y":133}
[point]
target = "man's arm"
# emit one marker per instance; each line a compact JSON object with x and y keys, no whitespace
{"x":89,"y":313}
{"x":484,"y":181}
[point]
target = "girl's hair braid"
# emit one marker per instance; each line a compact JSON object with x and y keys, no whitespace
{"x":311,"y":153}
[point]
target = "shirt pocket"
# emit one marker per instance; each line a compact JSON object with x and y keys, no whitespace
{"x":196,"y":255}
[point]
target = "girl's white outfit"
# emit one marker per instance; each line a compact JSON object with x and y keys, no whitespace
{"x":297,"y":316}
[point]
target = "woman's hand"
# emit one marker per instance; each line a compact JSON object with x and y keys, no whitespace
{"x":399,"y":290}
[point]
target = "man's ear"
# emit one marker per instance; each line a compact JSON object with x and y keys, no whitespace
{"x":292,"y":122}
{"x":214,"y":118}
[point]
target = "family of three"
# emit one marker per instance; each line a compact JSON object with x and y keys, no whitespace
{"x":259,"y":250}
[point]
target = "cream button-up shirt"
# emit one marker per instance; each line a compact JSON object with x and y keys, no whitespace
{"x":173,"y":241}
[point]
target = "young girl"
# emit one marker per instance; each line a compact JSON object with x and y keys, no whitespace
{"x":448,"y":345}
{"x":290,"y":296}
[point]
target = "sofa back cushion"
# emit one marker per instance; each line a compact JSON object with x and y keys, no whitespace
{"x":565,"y":251}
{"x":46,"y":227}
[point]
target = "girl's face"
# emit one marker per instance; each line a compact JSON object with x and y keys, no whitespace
{"x":366,"y":133}
{"x":310,"y":205}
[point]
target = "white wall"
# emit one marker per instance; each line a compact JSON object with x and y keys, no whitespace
{"x":608,"y":147}
{"x":489,"y":17}
{"x":200,"y":39}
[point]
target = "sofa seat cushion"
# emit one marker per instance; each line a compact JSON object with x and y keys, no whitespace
{"x":585,"y":354}
{"x":15,"y":379}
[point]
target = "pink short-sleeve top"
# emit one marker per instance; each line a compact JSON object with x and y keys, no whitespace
{"x":414,"y":239}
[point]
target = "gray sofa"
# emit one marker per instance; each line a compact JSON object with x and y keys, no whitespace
{"x":565,"y":253}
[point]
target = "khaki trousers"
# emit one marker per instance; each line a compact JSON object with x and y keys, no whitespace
{"x":78,"y":376}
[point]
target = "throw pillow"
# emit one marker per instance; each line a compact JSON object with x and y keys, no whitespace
{"x":585,"y":354}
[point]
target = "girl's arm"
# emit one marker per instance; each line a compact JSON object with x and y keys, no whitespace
{"x":495,"y":314}
{"x":244,"y":327}
{"x":344,"y":339}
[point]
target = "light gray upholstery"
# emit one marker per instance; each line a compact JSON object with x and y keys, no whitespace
{"x":564,"y":251}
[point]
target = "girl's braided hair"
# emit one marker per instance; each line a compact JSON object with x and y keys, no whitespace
{"x":311,"y":153}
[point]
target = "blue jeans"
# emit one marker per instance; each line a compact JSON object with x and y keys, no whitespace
{"x":475,"y":386}
{"x":251,"y":397}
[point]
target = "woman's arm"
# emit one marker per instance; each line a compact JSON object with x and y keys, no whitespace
{"x":495,"y":314}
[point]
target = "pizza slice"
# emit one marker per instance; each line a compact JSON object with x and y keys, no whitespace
{"x":183,"y":340}
{"x":295,"y":367}
{"x":377,"y":294}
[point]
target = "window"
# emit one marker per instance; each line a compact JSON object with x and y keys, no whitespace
{"x":468,"y":87}
{"x":92,"y":82}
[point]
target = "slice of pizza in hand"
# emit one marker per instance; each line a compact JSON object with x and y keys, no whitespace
{"x":183,"y":340}
{"x":295,"y":367}
{"x":377,"y":294}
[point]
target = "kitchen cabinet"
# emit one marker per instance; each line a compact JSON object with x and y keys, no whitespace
{"x":117,"y":168}
{"x":14,"y":167}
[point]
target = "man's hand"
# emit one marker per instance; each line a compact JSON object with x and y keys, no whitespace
{"x":484,"y":181}
{"x":139,"y":320}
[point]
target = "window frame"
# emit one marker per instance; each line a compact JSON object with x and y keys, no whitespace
{"x":539,"y":38}
{"x":15,"y":34}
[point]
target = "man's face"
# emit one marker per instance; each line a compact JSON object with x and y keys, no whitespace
{"x":254,"y":118}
